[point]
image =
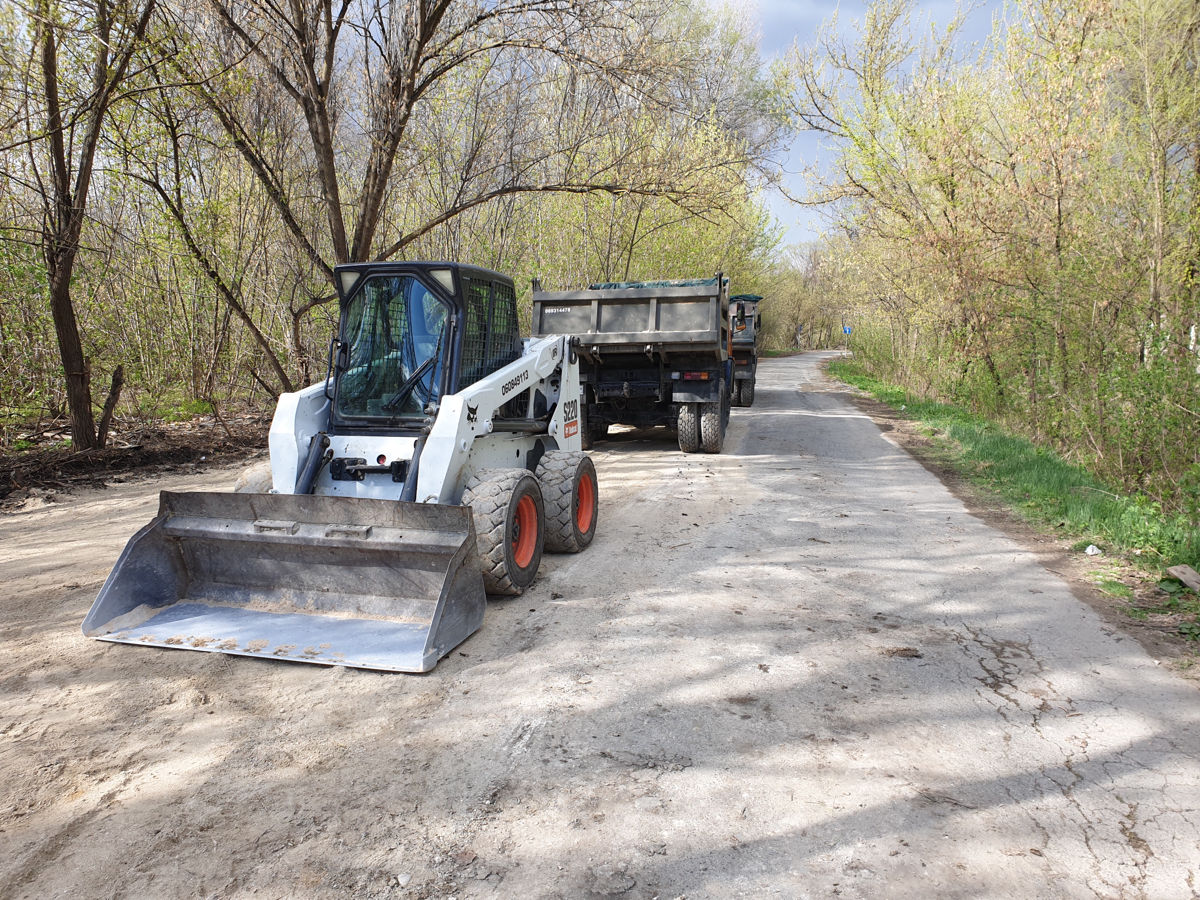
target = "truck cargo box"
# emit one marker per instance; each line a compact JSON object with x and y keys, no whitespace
{"x":691,"y":316}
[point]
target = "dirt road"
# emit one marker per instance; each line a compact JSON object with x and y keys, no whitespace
{"x":800,"y":668}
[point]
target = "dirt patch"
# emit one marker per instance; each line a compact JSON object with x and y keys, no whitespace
{"x":136,"y":451}
{"x":1158,"y":634}
{"x":703,"y":703}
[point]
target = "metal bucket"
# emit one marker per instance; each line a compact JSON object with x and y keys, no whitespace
{"x":372,"y":584}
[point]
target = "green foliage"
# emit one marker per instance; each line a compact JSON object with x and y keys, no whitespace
{"x":176,"y":411}
{"x":1018,"y":233}
{"x":199,"y":268}
{"x":1115,"y":588}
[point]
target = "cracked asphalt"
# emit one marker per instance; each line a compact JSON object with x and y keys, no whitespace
{"x":800,"y":668}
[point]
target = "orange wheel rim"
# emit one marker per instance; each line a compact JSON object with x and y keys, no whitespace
{"x":525,"y":532}
{"x":585,"y":506}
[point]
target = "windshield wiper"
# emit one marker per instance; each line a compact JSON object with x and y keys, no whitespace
{"x":413,"y":379}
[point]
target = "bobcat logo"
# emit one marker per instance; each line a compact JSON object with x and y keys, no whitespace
{"x":472,"y":412}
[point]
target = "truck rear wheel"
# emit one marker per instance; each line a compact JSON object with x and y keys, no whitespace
{"x":570,"y":494}
{"x":585,"y":430}
{"x":713,"y":417}
{"x":510,"y":527}
{"x":748,"y":392}
{"x":589,"y":433}
{"x":736,"y":397}
{"x":688,"y":425}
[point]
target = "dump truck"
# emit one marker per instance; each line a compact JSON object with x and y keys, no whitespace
{"x":745,"y":322}
{"x":651,"y":353}
{"x":435,"y":463}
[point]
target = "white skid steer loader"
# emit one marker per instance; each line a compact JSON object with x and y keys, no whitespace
{"x":432,"y":466}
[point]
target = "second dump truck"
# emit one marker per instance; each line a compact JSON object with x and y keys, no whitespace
{"x":744,"y":325}
{"x":651,"y":353}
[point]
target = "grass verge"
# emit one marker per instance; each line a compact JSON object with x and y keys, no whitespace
{"x":1051,"y":492}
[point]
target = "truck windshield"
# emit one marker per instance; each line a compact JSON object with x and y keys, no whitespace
{"x":393,"y":328}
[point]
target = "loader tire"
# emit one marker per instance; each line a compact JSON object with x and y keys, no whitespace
{"x":510,"y":527}
{"x":713,"y":417}
{"x":689,"y":427}
{"x":570,"y":495}
{"x":748,"y":392}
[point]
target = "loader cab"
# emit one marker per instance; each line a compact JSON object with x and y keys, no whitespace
{"x":411,"y":333}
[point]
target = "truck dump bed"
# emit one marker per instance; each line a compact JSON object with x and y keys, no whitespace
{"x":690,"y":316}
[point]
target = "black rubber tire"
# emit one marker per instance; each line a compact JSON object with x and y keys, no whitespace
{"x":494,"y":496}
{"x":688,"y":426}
{"x":748,"y":392}
{"x":713,"y":417}
{"x":568,"y":478}
{"x":585,"y":430}
{"x":735,"y":398}
{"x":589,"y":433}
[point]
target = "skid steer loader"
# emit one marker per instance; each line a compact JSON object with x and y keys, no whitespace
{"x":433,"y":465}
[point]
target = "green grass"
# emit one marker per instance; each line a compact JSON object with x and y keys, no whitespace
{"x":1115,"y":588}
{"x":1040,"y":484}
{"x":176,"y":410}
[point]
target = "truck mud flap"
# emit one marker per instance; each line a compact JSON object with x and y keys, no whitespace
{"x":371,"y":584}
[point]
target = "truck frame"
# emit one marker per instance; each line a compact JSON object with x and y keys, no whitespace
{"x":651,"y":353}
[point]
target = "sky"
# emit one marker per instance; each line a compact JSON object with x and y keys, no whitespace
{"x":784,"y":22}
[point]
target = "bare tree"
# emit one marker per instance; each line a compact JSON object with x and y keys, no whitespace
{"x":79,"y":57}
{"x":360,"y":73}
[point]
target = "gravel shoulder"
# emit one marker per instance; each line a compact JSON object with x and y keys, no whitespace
{"x":801,"y":667}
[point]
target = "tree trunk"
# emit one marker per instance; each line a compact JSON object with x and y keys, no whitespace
{"x":110,"y":405}
{"x":75,"y":366}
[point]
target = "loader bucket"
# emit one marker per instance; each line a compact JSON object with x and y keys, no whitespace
{"x":372,"y":584}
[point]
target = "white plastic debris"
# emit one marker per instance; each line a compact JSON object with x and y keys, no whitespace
{"x":1093,"y":550}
